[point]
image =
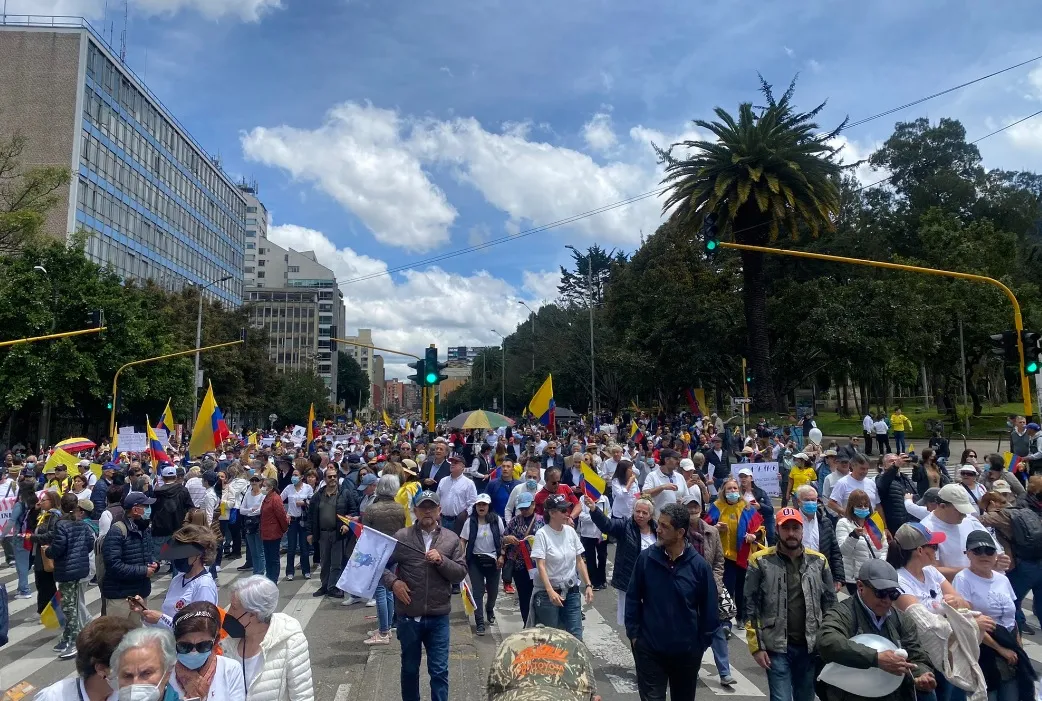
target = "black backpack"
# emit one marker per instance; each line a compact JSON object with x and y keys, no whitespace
{"x":1027,"y":533}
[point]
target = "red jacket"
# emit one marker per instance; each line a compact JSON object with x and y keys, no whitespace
{"x":273,"y":521}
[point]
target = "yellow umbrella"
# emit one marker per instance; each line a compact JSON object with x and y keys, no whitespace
{"x":480,"y":419}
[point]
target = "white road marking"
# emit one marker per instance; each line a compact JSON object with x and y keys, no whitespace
{"x":343,"y":692}
{"x":743,"y":687}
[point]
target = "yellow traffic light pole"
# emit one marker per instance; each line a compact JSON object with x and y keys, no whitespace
{"x":48,"y":337}
{"x":115,"y":379}
{"x":423,"y":388}
{"x":1018,"y":320}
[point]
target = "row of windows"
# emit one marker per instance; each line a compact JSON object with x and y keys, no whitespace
{"x":149,"y":159}
{"x":304,"y":327}
{"x":282,"y":297}
{"x":103,"y":206}
{"x":105,"y":74}
{"x":306,"y":312}
{"x":97,"y":157}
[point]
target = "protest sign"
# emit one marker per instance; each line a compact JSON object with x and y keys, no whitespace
{"x":765,"y":476}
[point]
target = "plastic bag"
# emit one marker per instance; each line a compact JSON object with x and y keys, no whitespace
{"x":872,"y":682}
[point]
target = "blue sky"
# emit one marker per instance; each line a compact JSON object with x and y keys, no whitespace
{"x":382,"y":133}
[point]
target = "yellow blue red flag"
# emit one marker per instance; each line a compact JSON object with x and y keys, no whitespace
{"x":542,"y":405}
{"x":593,"y":484}
{"x":155,"y":447}
{"x":210,"y":428}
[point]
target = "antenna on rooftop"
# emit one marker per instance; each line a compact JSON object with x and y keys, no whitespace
{"x":123,"y":36}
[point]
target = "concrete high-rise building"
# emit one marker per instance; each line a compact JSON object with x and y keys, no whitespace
{"x":377,"y":381}
{"x":256,"y":231}
{"x":465,"y":354}
{"x":150,"y":200}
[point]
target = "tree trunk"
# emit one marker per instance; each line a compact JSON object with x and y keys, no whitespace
{"x":759,"y":351}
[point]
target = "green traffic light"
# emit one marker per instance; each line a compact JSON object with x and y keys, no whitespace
{"x":712,"y":244}
{"x":1032,"y":367}
{"x":432,"y":378}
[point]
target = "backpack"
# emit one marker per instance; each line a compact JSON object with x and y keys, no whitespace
{"x":99,"y":559}
{"x":1027,"y":533}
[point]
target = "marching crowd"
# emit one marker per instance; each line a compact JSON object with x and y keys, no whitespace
{"x":934,"y":558}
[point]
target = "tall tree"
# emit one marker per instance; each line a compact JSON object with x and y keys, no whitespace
{"x":765,"y":173}
{"x":590,"y":277}
{"x":26,"y":195}
{"x":352,"y":384}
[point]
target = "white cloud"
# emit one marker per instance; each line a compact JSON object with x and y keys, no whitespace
{"x":246,"y":10}
{"x":599,"y":134}
{"x":408,"y":311}
{"x":542,"y":284}
{"x":478,"y":234}
{"x":359,"y":159}
{"x":853,"y":151}
{"x":814,"y":66}
{"x":789,"y":52}
{"x":1027,"y":134}
{"x":1035,"y":84}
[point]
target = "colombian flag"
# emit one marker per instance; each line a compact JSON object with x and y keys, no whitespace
{"x":52,"y":616}
{"x":155,"y":448}
{"x":593,"y":484}
{"x":166,"y":421}
{"x":874,"y":527}
{"x":542,"y":404}
{"x":387,"y":419}
{"x":636,"y":435}
{"x":210,"y":428}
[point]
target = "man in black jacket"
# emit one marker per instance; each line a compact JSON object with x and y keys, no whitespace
{"x":129,"y":560}
{"x":671,"y":610}
{"x":173,"y":500}
{"x":892,"y":486}
{"x":330,"y":501}
{"x":99,"y":494}
{"x":718,"y":462}
{"x":437,"y":467}
{"x":818,"y":532}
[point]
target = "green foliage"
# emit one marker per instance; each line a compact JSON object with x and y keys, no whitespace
{"x":352,"y":384}
{"x":298,"y":390}
{"x":26,"y":195}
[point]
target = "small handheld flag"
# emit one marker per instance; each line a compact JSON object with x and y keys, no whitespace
{"x":592,"y":483}
{"x":155,"y":447}
{"x":166,"y":421}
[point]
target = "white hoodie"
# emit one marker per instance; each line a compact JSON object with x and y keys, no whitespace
{"x":285,"y":666}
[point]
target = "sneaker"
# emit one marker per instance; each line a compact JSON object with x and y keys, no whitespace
{"x":307,"y":576}
{"x":727,"y":680}
{"x":68,"y":654}
{"x":490,"y":617}
{"x":336,"y":594}
{"x":243,"y":568}
{"x":376,"y":639}
{"x":371,"y":603}
{"x":348,"y":600}
{"x":1026,"y":628}
{"x":509,"y":589}
{"x":60,"y":647}
{"x":479,"y":628}
{"x":320,"y":592}
{"x":289,"y":578}
{"x":23,"y":596}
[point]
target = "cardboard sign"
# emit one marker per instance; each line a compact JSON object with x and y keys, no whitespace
{"x":6,"y":507}
{"x":765,"y":476}
{"x":133,"y":442}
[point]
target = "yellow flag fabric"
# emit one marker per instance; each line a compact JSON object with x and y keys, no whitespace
{"x":252,"y":440}
{"x":592,"y":481}
{"x":358,"y":423}
{"x":408,"y":426}
{"x":387,"y":419}
{"x":543,"y":401}
{"x":202,"y":434}
{"x":168,"y":419}
{"x":52,"y":617}
{"x":60,"y":457}
{"x":311,"y":425}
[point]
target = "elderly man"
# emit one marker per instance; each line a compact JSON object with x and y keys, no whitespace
{"x":857,"y":479}
{"x":871,"y":610}
{"x":456,"y":493}
{"x":664,"y":485}
{"x":818,"y":532}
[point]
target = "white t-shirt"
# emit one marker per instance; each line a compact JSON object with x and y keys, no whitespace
{"x":184,"y":591}
{"x":291,"y":496}
{"x":993,"y":597}
{"x":928,"y":592}
{"x":841,"y":492}
{"x":667,"y":496}
{"x":622,"y":507}
{"x":646,"y":541}
{"x":252,"y":667}
{"x":558,"y":550}
{"x":227,"y":684}
{"x":484,"y":543}
{"x":952,"y":552}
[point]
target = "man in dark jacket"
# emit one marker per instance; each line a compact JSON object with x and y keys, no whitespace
{"x":437,"y":467}
{"x":892,"y":486}
{"x":70,"y":549}
{"x":430,"y":563}
{"x":99,"y":493}
{"x":330,"y":501}
{"x":718,"y":462}
{"x":818,"y":532}
{"x":671,"y":610}
{"x":128,"y":558}
{"x":173,"y":500}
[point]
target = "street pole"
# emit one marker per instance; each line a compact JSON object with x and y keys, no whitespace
{"x":196,"y":383}
{"x":504,"y":409}
{"x":965,"y":392}
{"x":745,"y":393}
{"x":593,"y":375}
{"x":1018,"y":319}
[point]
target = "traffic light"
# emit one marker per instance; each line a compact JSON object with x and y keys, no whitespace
{"x":332,"y":339}
{"x":441,"y":376}
{"x":430,"y":373}
{"x":1032,"y":351}
{"x":1004,"y":345}
{"x":710,"y":234}
{"x":108,"y":404}
{"x":748,"y":377}
{"x":97,"y":319}
{"x":420,"y":366}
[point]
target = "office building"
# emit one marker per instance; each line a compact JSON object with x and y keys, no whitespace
{"x":149,"y":199}
{"x":256,"y":231}
{"x":463,"y":354}
{"x":376,"y":381}
{"x":457,"y":375}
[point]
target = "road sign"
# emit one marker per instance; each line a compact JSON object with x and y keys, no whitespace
{"x":741,"y":400}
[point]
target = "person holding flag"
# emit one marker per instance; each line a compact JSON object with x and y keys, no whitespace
{"x":859,"y":538}
{"x":517,"y":549}
{"x":633,"y":535}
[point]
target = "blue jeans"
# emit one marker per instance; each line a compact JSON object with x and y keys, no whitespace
{"x":21,"y":563}
{"x":567,"y":617}
{"x":256,"y":546}
{"x":899,"y":441}
{"x":720,"y":655}
{"x":1025,"y":577}
{"x":297,"y":536}
{"x":791,"y":676}
{"x":270,"y":560}
{"x":430,"y":633}
{"x":384,"y":608}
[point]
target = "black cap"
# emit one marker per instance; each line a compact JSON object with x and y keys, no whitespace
{"x":556,"y":502}
{"x":137,"y":499}
{"x":980,"y":539}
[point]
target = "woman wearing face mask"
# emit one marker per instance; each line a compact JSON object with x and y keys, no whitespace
{"x":296,"y":497}
{"x":235,"y":488}
{"x":273,"y":525}
{"x":19,"y":526}
{"x":142,"y":665}
{"x":270,"y":646}
{"x":94,"y":647}
{"x":859,"y":541}
{"x":190,"y":550}
{"x":249,"y":514}
{"x":200,"y":673}
{"x":741,"y":528}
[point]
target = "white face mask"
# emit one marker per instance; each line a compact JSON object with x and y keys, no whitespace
{"x":139,"y":692}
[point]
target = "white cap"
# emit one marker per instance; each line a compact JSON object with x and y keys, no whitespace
{"x":746,"y":471}
{"x":687,"y":464}
{"x":83,"y":463}
{"x":692,"y":495}
{"x":483,"y":499}
{"x":802,"y":456}
{"x":968,"y":468}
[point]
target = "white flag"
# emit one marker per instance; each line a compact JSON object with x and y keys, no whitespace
{"x":363,"y":571}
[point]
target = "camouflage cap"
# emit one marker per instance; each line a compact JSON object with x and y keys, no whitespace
{"x":540,"y":663}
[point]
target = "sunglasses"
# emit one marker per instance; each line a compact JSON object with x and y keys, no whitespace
{"x":984,"y":551}
{"x":892,"y":594}
{"x":186,"y":648}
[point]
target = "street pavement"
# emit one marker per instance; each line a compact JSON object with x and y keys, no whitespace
{"x":344,"y":668}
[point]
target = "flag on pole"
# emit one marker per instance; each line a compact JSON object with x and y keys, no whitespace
{"x":358,"y":424}
{"x":166,"y":421}
{"x":252,"y":439}
{"x":387,"y":419}
{"x":636,"y":435}
{"x":311,"y":425}
{"x":210,"y":428}
{"x":363,"y":571}
{"x":592,"y":483}
{"x":874,"y":527}
{"x":60,"y":457}
{"x":155,"y":448}
{"x":52,"y":616}
{"x":542,"y":405}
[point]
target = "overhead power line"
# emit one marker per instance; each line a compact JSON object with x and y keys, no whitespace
{"x":652,"y":193}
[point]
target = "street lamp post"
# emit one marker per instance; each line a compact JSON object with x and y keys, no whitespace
{"x":198,"y":343}
{"x":504,"y":349}
{"x":589,"y":294}
{"x":45,"y":407}
{"x":533,"y":331}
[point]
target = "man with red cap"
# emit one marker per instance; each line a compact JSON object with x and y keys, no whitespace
{"x":788,"y":588}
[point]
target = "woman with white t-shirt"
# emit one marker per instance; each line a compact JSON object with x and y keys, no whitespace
{"x":1006,"y":666}
{"x":624,"y":489}
{"x":482,"y":538}
{"x":968,"y":480}
{"x":558,"y":556}
{"x":200,"y":673}
{"x":191,"y":550}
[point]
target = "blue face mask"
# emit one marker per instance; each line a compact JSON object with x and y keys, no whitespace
{"x":532,"y":484}
{"x":862,"y":513}
{"x":148,"y":513}
{"x":809,"y":507}
{"x":732,"y":497}
{"x":295,"y":479}
{"x":193,"y":660}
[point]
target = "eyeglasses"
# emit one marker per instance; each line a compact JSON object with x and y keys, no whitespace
{"x":892,"y":594}
{"x":984,"y":551}
{"x":330,"y":477}
{"x":186,"y":648}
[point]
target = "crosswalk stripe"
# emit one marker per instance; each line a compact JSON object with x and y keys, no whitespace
{"x":742,"y":686}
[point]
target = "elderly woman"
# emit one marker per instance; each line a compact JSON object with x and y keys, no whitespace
{"x":270,"y":646}
{"x":94,"y":647}
{"x":142,"y":665}
{"x":634,"y":534}
{"x":386,"y":515}
{"x":200,"y":673}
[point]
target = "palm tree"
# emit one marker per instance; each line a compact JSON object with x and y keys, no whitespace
{"x":768,"y":171}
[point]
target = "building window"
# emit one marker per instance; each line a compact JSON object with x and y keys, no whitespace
{"x":251,"y":245}
{"x":260,"y":273}
{"x":293,"y":269}
{"x":249,"y":269}
{"x":251,"y":210}
{"x":260,"y":263}
{"x":324,"y":369}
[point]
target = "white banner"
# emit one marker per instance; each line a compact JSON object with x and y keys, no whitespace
{"x":267,"y":441}
{"x":765,"y":476}
{"x":6,"y":507}
{"x":163,"y":435}
{"x":133,"y":442}
{"x":363,"y":571}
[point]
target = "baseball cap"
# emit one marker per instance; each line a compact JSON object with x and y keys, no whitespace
{"x":83,"y":463}
{"x":169,"y":471}
{"x":540,"y":663}
{"x":746,"y":471}
{"x":353,"y":459}
{"x":788,"y":514}
{"x":1001,"y":486}
{"x":879,"y":574}
{"x":968,"y":468}
{"x":930,"y":496}
{"x":427,"y":495}
{"x":137,"y":499}
{"x":483,"y":499}
{"x":915,"y":535}
{"x":1034,"y":426}
{"x":555,"y":502}
{"x":802,"y":456}
{"x":687,"y":464}
{"x":748,"y":450}
{"x":957,"y":496}
{"x":980,"y":539}
{"x":524,"y":500}
{"x":830,"y":453}
{"x":86,"y":504}
{"x":455,"y":458}
{"x":367,"y":481}
{"x":693,"y":496}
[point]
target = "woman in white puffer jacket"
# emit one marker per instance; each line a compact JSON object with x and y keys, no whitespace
{"x":855,"y":538}
{"x":270,"y":646}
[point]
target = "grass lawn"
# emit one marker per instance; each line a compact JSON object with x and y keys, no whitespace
{"x":992,"y":418}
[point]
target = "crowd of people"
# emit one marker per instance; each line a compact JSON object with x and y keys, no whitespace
{"x":933,"y":557}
